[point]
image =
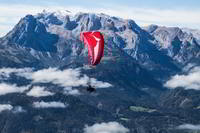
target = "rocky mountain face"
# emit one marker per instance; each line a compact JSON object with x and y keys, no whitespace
{"x":179,"y":45}
{"x":137,"y":61}
{"x":194,"y":32}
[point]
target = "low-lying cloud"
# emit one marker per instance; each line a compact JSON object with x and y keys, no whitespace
{"x":187,"y":81}
{"x":4,"y":107}
{"x":18,"y":109}
{"x":99,"y":84}
{"x":38,"y":91}
{"x":70,"y":91}
{"x":189,"y":127}
{"x":68,"y":79}
{"x":63,"y":78}
{"x":11,"y":88}
{"x":14,"y":109}
{"x":53,"y":104}
{"x":110,"y":127}
{"x":5,"y":72}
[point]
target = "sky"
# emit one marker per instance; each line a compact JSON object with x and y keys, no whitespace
{"x":176,"y":13}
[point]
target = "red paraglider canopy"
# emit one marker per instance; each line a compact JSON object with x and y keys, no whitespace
{"x":95,"y":44}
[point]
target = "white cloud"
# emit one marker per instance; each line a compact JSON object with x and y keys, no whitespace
{"x":99,"y":84}
{"x":4,"y":29}
{"x":11,"y":88}
{"x":4,"y":107}
{"x":64,"y":78}
{"x":70,"y":91}
{"x":53,"y":104}
{"x":68,"y":79}
{"x":110,"y":127}
{"x":38,"y":91}
{"x":158,"y":16}
{"x":5,"y":72}
{"x":18,"y":109}
{"x":189,"y":127}
{"x":146,"y":16}
{"x":187,"y":81}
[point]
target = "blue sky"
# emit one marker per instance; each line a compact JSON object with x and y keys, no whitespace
{"x":169,"y":13}
{"x":189,"y":4}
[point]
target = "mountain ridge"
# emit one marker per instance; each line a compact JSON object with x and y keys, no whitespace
{"x":116,"y":31}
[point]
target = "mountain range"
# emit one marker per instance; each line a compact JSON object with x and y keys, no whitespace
{"x":135,"y":72}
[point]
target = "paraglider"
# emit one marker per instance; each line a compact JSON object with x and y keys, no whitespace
{"x":95,"y":43}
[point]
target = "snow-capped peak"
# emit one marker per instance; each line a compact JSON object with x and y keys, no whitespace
{"x":59,"y":14}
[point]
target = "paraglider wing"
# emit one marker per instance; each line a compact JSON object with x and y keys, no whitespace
{"x":95,"y":44}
